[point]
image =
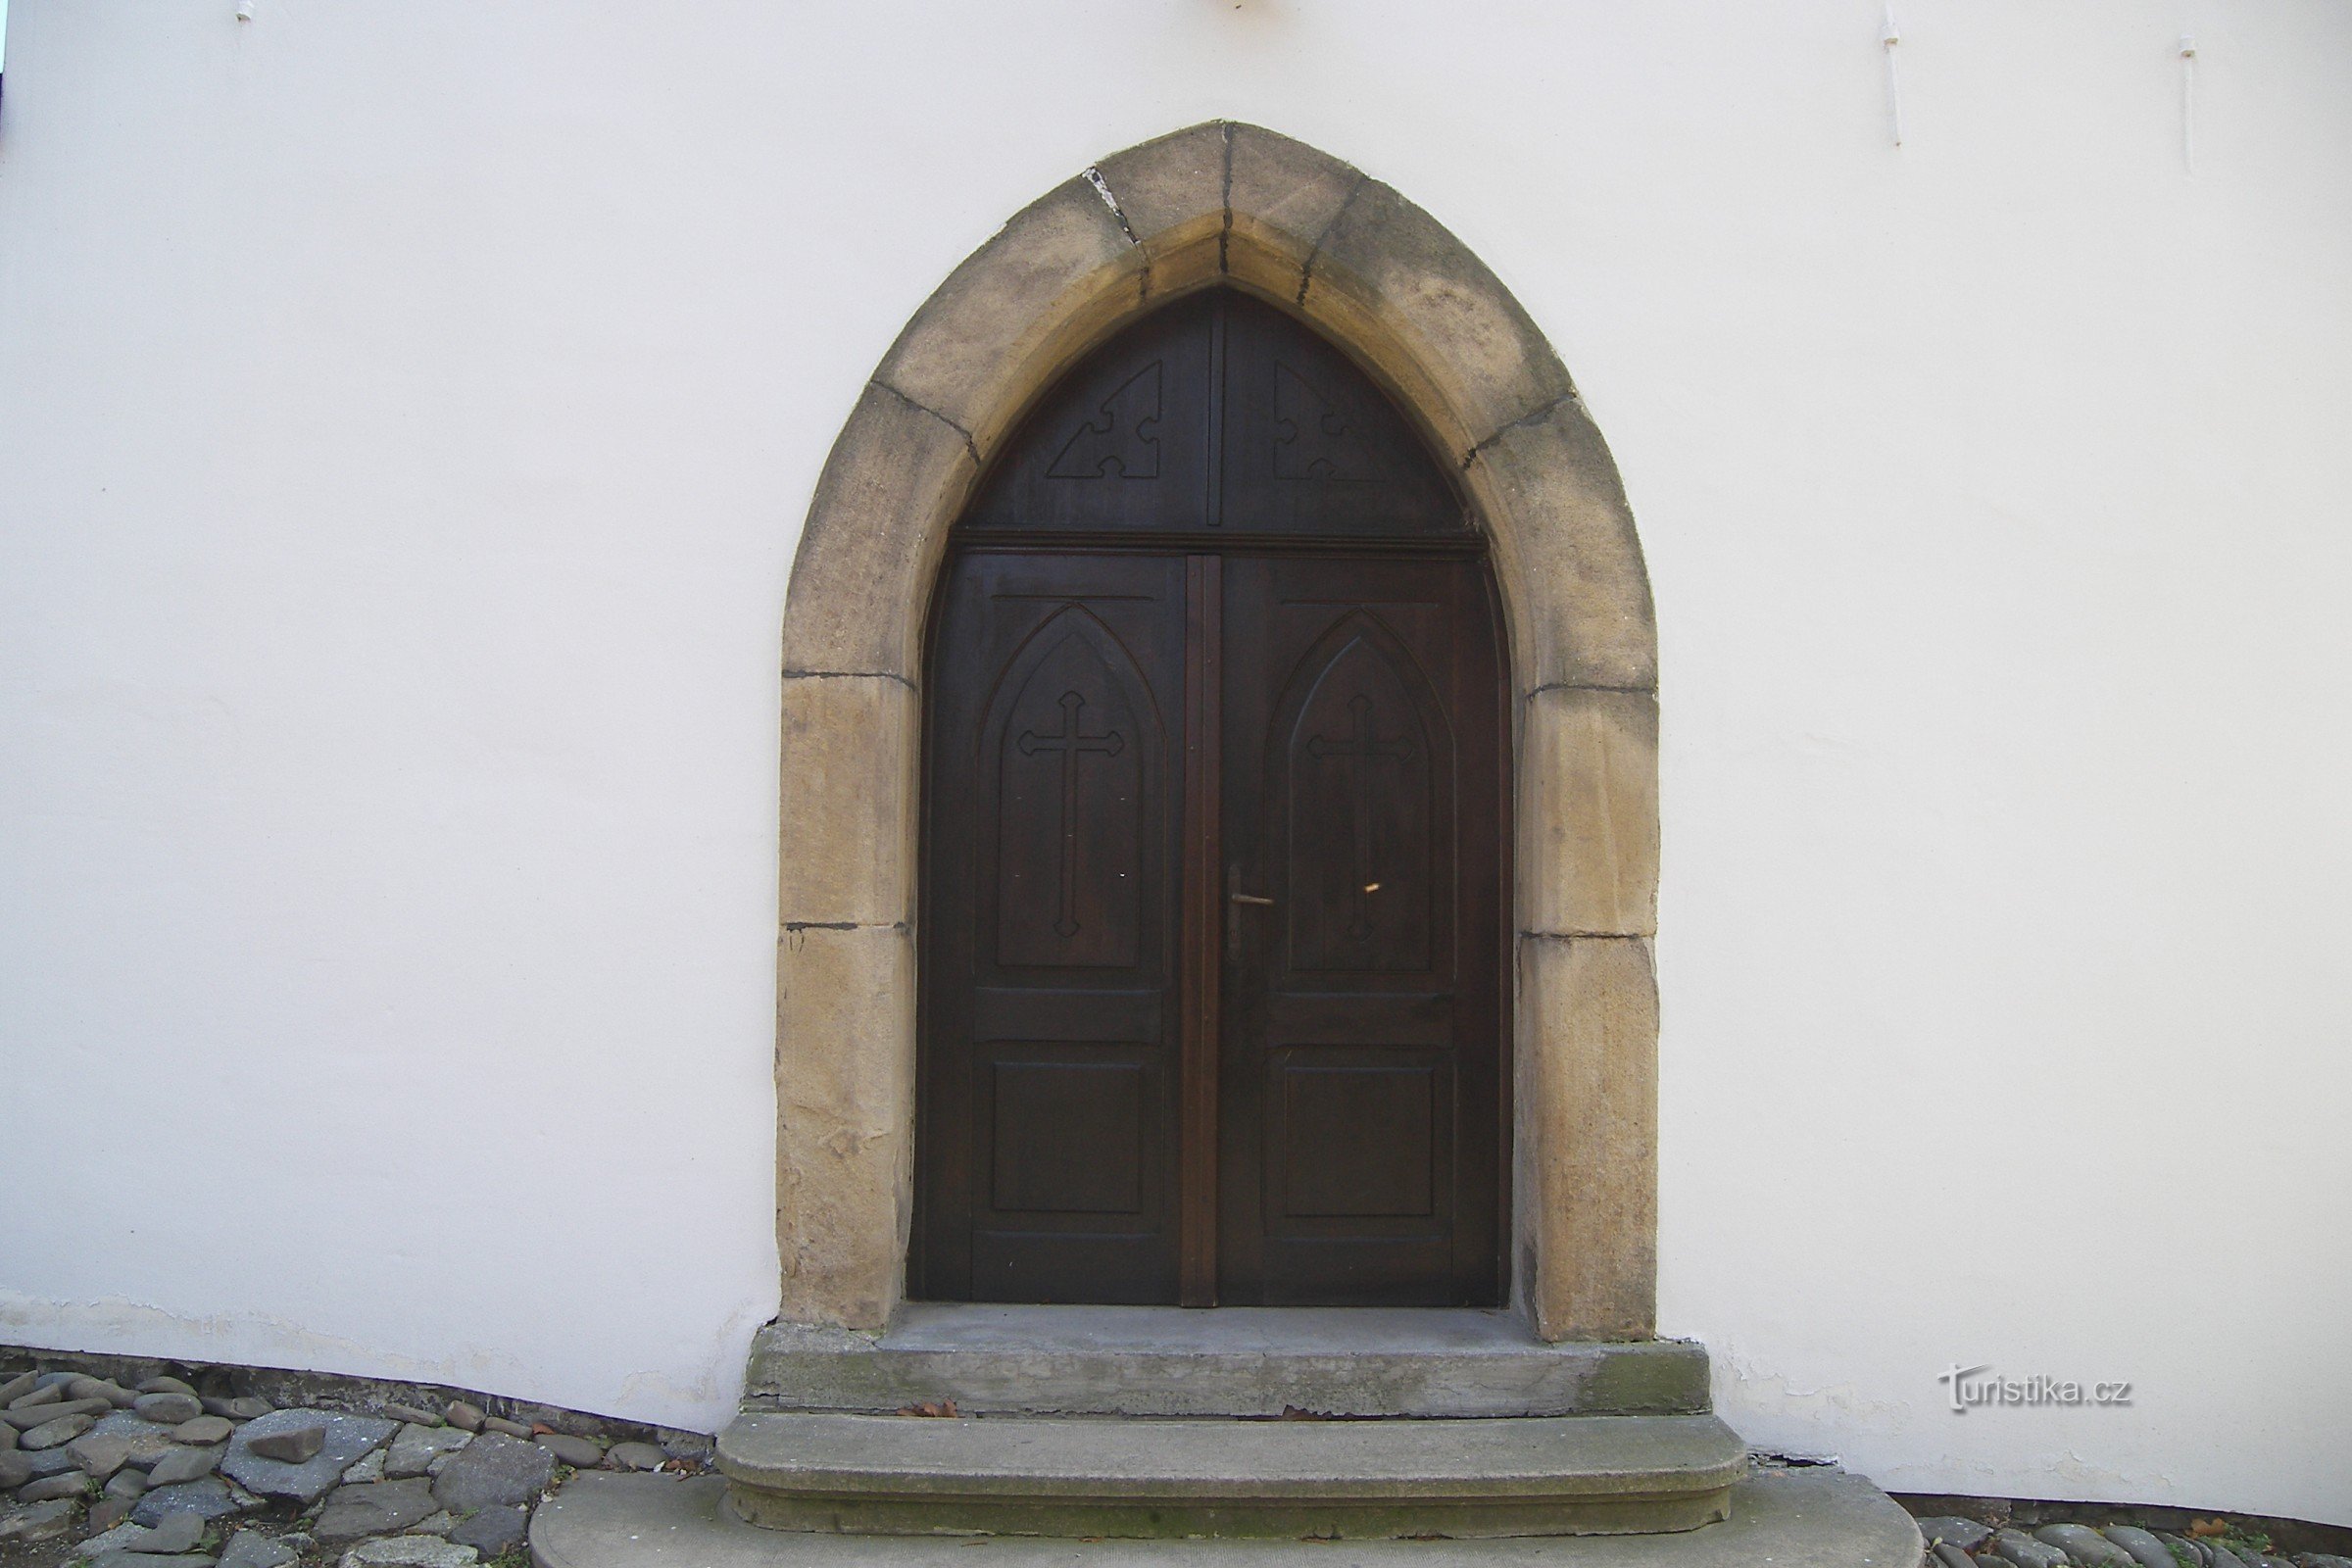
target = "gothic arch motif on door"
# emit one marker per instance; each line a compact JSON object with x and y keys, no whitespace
{"x":1239,"y":206}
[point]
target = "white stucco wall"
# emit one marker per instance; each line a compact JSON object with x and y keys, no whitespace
{"x":406,"y":415}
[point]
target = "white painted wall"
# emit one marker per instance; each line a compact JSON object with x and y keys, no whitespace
{"x":406,"y":415}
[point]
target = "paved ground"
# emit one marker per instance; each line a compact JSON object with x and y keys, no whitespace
{"x":120,"y":1464}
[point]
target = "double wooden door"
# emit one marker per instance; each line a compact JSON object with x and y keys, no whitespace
{"x":1212,"y":929}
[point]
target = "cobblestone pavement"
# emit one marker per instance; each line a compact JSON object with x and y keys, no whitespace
{"x":195,"y":1468}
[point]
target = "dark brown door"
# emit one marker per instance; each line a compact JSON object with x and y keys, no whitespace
{"x":1050,"y":1067}
{"x":1213,"y":907}
{"x":1359,"y":1062}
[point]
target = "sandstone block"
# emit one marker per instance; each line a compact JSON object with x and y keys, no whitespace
{"x":1589,"y":813}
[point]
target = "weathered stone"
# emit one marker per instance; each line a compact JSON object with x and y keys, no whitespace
{"x":170,"y":1535}
{"x":53,"y":1394}
{"x":416,"y":1448}
{"x":410,"y":1552}
{"x":182,"y":1464}
{"x":1018,"y":310}
{"x":844,"y":766}
{"x":465,"y":1417}
{"x":373,"y":1468}
{"x":1170,"y":195}
{"x":207,"y":1498}
{"x":204,"y":1429}
{"x":2085,"y":1547}
{"x":32,"y":1417}
{"x":164,"y":1385}
{"x":244,"y":1408}
{"x":846,"y":999}
{"x":250,"y":1548}
{"x":878,"y":523}
{"x":289,"y":1445}
{"x":379,"y":1508}
{"x":2025,"y":1552}
{"x":579,"y":1452}
{"x":245,"y":1500}
{"x":115,"y":1538}
{"x":144,"y":1435}
{"x":125,"y":1484}
{"x":89,"y":1388}
{"x":43,"y":1521}
{"x":1589,"y":821}
{"x":8,"y":1437}
{"x":15,"y":1470}
{"x":1567,"y":554}
{"x":1943,"y":1554}
{"x":491,"y":1531}
{"x":1414,"y":299}
{"x":297,"y":1541}
{"x":169,"y":1408}
{"x":56,"y":1434}
{"x":1588,"y":1098}
{"x":1964,"y":1534}
{"x":349,"y":1437}
{"x":106,"y":1513}
{"x":47,"y":1462}
{"x":499,"y":1424}
{"x":100,"y":1454}
{"x":409,"y":1414}
{"x":635,"y":1455}
{"x":437,"y":1524}
{"x":494,"y":1470}
{"x":16,"y":1387}
{"x":70,"y":1484}
{"x":1285,"y":196}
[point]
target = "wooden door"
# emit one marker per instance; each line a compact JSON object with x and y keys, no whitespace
{"x":1360,"y":1092}
{"x":1049,"y":1064}
{"x":1213,"y":901}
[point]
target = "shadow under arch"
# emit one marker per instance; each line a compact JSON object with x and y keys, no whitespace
{"x":1232,"y":204}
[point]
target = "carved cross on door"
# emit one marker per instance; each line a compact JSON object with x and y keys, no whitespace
{"x":1360,"y":749}
{"x":1069,"y":743}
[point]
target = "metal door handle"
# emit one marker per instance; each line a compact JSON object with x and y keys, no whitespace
{"x":1235,"y":902}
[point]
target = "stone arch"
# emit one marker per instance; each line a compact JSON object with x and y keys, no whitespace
{"x":1232,"y":204}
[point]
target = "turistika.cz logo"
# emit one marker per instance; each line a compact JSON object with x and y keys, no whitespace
{"x":1968,"y":1388}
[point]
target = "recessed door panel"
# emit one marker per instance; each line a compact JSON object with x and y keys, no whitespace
{"x":1363,"y":764}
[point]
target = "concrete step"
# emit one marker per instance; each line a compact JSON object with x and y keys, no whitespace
{"x":1815,"y":1518}
{"x":1171,"y":1361}
{"x":1076,"y":1476}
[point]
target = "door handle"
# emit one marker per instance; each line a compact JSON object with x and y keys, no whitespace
{"x":1235,"y":902}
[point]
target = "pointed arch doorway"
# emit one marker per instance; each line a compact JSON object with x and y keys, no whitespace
{"x":1213,"y":999}
{"x":1236,"y":206}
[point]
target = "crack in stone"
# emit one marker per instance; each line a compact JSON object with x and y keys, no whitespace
{"x":796,"y":926}
{"x":1534,"y":416}
{"x":1094,"y":177}
{"x":1306,"y":274}
{"x":1583,"y":936}
{"x":1534,"y":692}
{"x":969,"y":445}
{"x":791,"y":674}
{"x":1225,"y":195}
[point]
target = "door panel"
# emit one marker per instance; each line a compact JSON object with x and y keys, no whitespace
{"x":1048,"y":1076}
{"x":1360,"y":1061}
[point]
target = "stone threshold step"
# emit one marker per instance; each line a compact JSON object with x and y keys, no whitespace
{"x":1782,"y":1519}
{"x":1174,"y":1361}
{"x":1216,"y":1477}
